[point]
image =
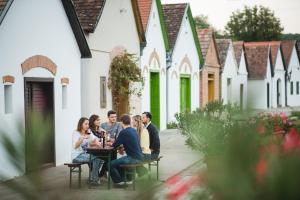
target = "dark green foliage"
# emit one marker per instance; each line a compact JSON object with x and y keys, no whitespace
{"x":201,"y":21}
{"x":254,"y":24}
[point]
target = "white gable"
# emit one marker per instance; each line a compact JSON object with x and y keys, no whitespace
{"x":242,"y":64}
{"x":279,"y":62}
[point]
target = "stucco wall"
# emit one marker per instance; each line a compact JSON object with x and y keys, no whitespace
{"x":116,"y":28}
{"x":294,"y":70}
{"x":154,"y":60}
{"x":40,"y":27}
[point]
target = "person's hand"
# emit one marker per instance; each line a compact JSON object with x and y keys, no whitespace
{"x":82,"y":137}
{"x":121,"y":150}
{"x":109,"y":143}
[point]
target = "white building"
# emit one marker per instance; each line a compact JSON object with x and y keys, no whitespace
{"x":111,"y":27}
{"x":259,"y":74}
{"x":242,"y":72}
{"x":292,"y":66}
{"x":229,"y":72}
{"x":278,"y":75}
{"x":41,"y":48}
{"x":153,"y":61}
{"x":186,"y":59}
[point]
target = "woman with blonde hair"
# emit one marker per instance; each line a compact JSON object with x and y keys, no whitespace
{"x":142,"y":133}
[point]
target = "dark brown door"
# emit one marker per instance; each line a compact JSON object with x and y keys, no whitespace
{"x":39,"y":99}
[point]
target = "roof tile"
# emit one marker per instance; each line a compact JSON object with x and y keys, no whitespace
{"x":238,"y":49}
{"x":88,"y":12}
{"x":222,"y":47}
{"x":287,"y":49}
{"x":257,"y":59}
{"x":145,"y":8}
{"x":173,"y":14}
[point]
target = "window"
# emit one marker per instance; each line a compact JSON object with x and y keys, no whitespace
{"x":8,"y":98}
{"x":103,"y":92}
{"x":64,"y":97}
{"x":297,"y":87}
{"x":292,"y":88}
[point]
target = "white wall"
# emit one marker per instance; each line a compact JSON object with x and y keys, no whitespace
{"x":155,"y":42}
{"x":243,"y":79}
{"x":279,"y":74}
{"x":40,"y":27}
{"x":114,"y":29}
{"x":294,"y":69}
{"x":230,"y":71}
{"x":257,"y":91}
{"x":185,"y":46}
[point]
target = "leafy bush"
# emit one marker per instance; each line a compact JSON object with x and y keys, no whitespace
{"x":172,"y":125}
{"x":207,"y":127}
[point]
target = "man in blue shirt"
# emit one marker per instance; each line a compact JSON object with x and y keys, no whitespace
{"x":128,"y":137}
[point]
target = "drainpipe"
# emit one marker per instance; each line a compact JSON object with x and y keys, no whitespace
{"x":285,"y":79}
{"x":169,"y":63}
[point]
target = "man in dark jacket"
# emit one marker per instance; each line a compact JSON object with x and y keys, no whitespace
{"x":153,"y":135}
{"x":128,"y":137}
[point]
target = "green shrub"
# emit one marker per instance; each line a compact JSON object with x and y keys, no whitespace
{"x":172,"y":125}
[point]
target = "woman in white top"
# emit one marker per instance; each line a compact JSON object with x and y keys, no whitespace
{"x":80,"y":141}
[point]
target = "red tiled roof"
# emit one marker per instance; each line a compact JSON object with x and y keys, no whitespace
{"x":145,"y":8}
{"x":274,"y":47}
{"x":257,"y":55}
{"x":238,"y":49}
{"x":287,"y":49}
{"x":222,"y":47}
{"x":205,"y":37}
{"x":89,"y":12}
{"x":173,"y":14}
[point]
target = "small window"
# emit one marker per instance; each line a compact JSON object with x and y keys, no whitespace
{"x":64,"y":97}
{"x":297,"y":87}
{"x":292,"y":88}
{"x":8,"y":98}
{"x":103,"y":92}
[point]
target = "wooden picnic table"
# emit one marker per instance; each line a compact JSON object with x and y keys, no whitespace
{"x":104,"y":153}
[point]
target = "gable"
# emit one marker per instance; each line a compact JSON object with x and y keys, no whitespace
{"x":257,"y":59}
{"x":212,"y":58}
{"x":145,"y":9}
{"x":279,"y":62}
{"x":148,"y":8}
{"x":72,"y":18}
{"x":90,"y":13}
{"x":222,"y":48}
{"x":173,"y":14}
{"x":287,"y":49}
{"x":242,"y":65}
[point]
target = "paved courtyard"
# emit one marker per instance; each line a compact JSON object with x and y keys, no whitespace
{"x":177,"y":157}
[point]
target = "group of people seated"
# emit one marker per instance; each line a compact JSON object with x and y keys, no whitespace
{"x":136,"y":139}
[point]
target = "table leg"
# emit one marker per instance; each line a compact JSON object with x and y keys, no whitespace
{"x":109,"y":161}
{"x":90,"y":166}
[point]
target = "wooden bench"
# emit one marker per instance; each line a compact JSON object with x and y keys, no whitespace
{"x":75,"y":168}
{"x":154,"y":162}
{"x":130,"y":169}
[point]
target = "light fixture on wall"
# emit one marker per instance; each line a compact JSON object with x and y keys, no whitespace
{"x":289,"y":75}
{"x":123,"y":10}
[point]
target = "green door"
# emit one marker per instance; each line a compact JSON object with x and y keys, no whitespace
{"x":155,"y":98}
{"x":185,"y":94}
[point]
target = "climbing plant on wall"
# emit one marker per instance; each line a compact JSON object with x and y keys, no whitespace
{"x":124,"y":72}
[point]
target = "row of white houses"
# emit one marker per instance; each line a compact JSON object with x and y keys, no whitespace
{"x":55,"y":57}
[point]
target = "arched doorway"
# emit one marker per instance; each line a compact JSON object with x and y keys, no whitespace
{"x":268,"y":95}
{"x":279,"y":103}
{"x":39,"y":101}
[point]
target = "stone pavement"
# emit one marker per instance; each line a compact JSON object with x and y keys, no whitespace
{"x":176,"y":157}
